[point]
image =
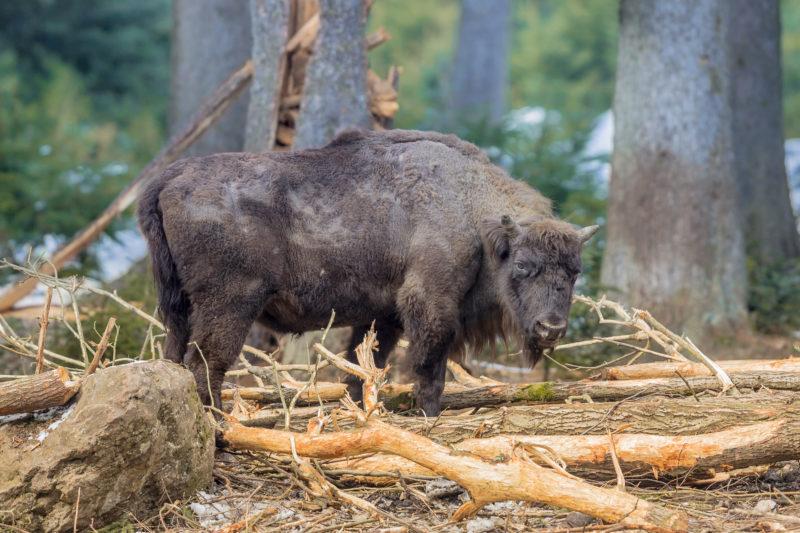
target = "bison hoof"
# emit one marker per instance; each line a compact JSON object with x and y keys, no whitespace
{"x":431,"y":405}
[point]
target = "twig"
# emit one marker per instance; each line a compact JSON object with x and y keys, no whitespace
{"x":688,"y":386}
{"x":43,"y":321}
{"x":101,"y":347}
{"x":615,"y":462}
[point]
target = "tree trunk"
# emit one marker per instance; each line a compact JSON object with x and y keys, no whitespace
{"x":689,"y":369}
{"x":675,"y":242}
{"x":480,"y":69}
{"x":335,"y":89}
{"x":758,"y":131}
{"x":399,"y":397}
{"x":648,"y":416}
{"x":692,"y":456}
{"x":210,"y":38}
{"x":270,"y":24}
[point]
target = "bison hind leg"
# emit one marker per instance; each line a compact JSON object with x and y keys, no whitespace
{"x":218,"y":334}
{"x":388,"y":334}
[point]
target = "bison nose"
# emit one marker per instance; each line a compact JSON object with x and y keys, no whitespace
{"x":550,"y":329}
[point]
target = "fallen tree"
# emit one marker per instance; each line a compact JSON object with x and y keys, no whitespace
{"x":514,"y":477}
{"x":688,"y":369}
{"x":399,"y":397}
{"x":648,"y":416}
{"x":689,"y":456}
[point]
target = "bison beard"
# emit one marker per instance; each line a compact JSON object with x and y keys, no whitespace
{"x":416,"y":231}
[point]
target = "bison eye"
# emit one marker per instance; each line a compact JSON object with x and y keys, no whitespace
{"x":519,"y":268}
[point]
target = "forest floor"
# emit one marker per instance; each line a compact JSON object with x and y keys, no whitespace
{"x":259,"y":492}
{"x":254,"y":492}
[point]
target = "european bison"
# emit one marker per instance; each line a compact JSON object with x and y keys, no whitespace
{"x":417,"y":231}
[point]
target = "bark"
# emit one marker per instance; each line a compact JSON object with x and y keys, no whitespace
{"x":399,"y":397}
{"x":688,"y":456}
{"x":335,"y":88}
{"x":509,"y":478}
{"x":675,"y":238}
{"x":480,"y":69}
{"x":758,"y":131}
{"x":270,"y":25}
{"x":688,"y":369}
{"x":659,"y":416}
{"x":210,"y":38}
{"x":25,"y":395}
{"x":206,"y":116}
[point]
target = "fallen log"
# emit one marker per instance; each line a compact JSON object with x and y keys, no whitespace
{"x":689,"y":369}
{"x":41,"y":391}
{"x":399,"y":397}
{"x":649,"y":416}
{"x":514,"y":477}
{"x":693,"y":456}
{"x":206,"y":116}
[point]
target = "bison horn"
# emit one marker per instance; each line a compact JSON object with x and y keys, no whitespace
{"x":584,"y":234}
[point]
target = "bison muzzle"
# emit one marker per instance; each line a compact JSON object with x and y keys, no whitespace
{"x":416,"y":231}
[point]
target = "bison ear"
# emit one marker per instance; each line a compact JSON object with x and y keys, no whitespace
{"x":496,"y":235}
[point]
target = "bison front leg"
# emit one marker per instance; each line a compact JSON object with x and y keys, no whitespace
{"x":430,"y":322}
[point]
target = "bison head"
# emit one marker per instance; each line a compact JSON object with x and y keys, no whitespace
{"x":536,"y":264}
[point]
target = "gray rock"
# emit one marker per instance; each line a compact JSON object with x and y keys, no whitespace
{"x":135,"y":437}
{"x":765,"y":506}
{"x":576,"y":519}
{"x":442,"y":488}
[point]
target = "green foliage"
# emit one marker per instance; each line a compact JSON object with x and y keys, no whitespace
{"x":120,"y":50}
{"x":83,"y":91}
{"x":59,"y":164}
{"x":562,"y":56}
{"x":774,"y":297}
{"x":790,"y":42}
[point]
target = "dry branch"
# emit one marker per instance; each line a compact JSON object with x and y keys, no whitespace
{"x":516,"y":477}
{"x":49,"y":389}
{"x":207,"y":115}
{"x":44,"y":320}
{"x":687,"y":369}
{"x":101,"y":347}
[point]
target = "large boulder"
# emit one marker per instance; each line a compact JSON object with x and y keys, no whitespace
{"x":135,"y":437}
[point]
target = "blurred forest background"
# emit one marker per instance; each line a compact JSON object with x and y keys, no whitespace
{"x":85,"y":104}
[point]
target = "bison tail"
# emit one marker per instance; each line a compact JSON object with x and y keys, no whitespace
{"x":173,"y":303}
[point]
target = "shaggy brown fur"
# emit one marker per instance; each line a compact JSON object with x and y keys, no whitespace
{"x":414,"y":230}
